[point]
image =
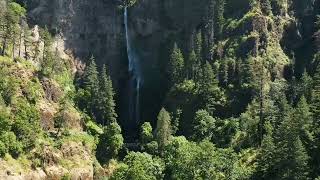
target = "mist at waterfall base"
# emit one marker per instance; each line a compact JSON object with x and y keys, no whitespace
{"x":142,"y":88}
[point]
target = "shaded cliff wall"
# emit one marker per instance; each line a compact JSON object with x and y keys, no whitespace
{"x":88,"y":28}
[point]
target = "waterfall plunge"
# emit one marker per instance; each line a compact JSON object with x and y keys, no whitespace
{"x":135,"y":75}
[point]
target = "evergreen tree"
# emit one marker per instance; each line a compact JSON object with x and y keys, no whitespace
{"x":303,"y":118}
{"x":266,"y":158}
{"x":163,"y":130}
{"x":193,"y":66}
{"x":315,"y":106}
{"x":208,"y":78}
{"x":211,"y":97}
{"x":300,"y":165}
{"x":91,"y":87}
{"x":106,"y":101}
{"x":315,"y":109}
{"x":292,"y":159}
{"x":306,"y":86}
{"x":176,"y":65}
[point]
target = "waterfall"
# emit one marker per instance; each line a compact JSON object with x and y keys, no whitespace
{"x":135,"y":75}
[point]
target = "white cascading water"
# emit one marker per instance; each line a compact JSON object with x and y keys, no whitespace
{"x":135,"y":75}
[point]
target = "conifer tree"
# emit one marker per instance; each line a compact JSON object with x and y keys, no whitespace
{"x":306,"y":86}
{"x":163,"y":130}
{"x":315,"y":109}
{"x":176,"y":65}
{"x":266,"y":158}
{"x":91,"y":86}
{"x":292,"y":158}
{"x":208,"y":78}
{"x":193,"y":66}
{"x":303,"y":118}
{"x":106,"y":101}
{"x":300,"y":165}
{"x":211,"y":96}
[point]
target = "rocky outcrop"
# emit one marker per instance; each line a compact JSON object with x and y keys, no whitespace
{"x":85,"y":28}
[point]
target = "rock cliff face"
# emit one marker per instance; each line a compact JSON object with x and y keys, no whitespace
{"x":87,"y":28}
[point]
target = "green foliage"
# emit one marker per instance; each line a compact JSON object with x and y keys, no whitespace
{"x":188,"y":160}
{"x":203,"y":126}
{"x":211,"y":96}
{"x":193,"y":66}
{"x":5,"y":119}
{"x":163,"y":130}
{"x":266,"y":158}
{"x":96,"y":95}
{"x":140,"y":166}
{"x":93,"y":128}
{"x":66,"y":177}
{"x":146,"y":133}
{"x":176,"y":65}
{"x":87,"y":98}
{"x":11,"y":144}
{"x":3,"y":149}
{"x":9,"y":22}
{"x":26,"y":124}
{"x":110,"y":143}
{"x":106,"y":102}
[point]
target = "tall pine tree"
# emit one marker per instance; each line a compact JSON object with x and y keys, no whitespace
{"x":91,"y":87}
{"x":176,"y":65}
{"x":106,"y":101}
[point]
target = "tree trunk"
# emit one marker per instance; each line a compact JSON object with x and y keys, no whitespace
{"x":20,"y":41}
{"x":13,"y":47}
{"x":4,"y":44}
